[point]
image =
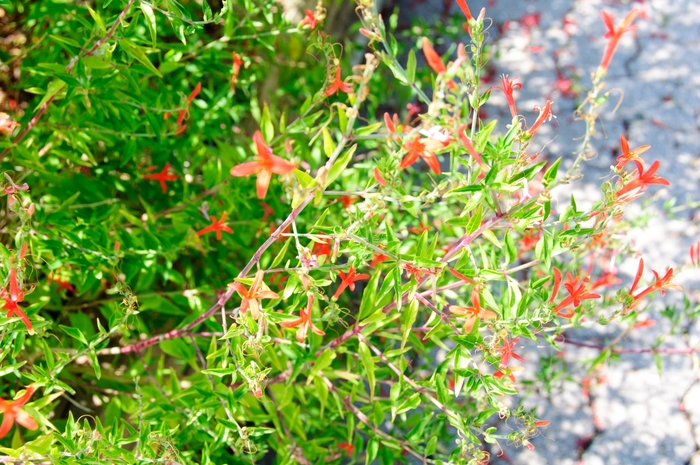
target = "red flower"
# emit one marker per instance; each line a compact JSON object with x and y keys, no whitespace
{"x":614,"y":34}
{"x":507,"y":351}
{"x":348,"y":281}
{"x":266,"y":165}
{"x":309,"y":20}
{"x":348,"y":448}
{"x":607,"y":279}
{"x":12,"y":412}
{"x":628,"y":156}
{"x":545,"y":114}
{"x":61,"y":284}
{"x":460,"y":275}
{"x":162,"y":177}
{"x":472,"y":313}
{"x":235,"y":71}
{"x":507,"y":87}
{"x":469,"y":146}
{"x":304,"y":322}
{"x":557,"y":282}
{"x":379,"y":178}
{"x":322,"y":248}
{"x":695,"y":253}
{"x":267,"y":211}
{"x":347,"y":200}
{"x":576,"y":295}
{"x":216,"y":225}
{"x":431,"y":56}
{"x":659,"y":284}
{"x":250,"y":297}
{"x":465,"y":9}
{"x":186,"y":111}
{"x":13,"y":298}
{"x":378,"y":258}
{"x":643,"y":180}
{"x":390,"y":124}
{"x":338,"y":85}
{"x":418,"y":148}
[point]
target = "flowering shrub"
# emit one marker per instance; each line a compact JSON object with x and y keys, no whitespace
{"x":216,"y":253}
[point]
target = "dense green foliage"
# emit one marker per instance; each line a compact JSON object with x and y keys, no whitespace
{"x":332,"y":300}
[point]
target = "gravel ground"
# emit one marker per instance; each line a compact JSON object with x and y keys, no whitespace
{"x":631,"y":413}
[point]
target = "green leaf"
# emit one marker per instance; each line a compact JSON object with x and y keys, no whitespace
{"x":409,"y":317}
{"x":135,"y":51}
{"x":150,"y":21}
{"x":54,"y":88}
{"x":511,"y":251}
{"x":551,"y":173}
{"x":75,"y":333}
{"x":411,"y":66}
{"x":328,"y":144}
{"x":369,"y":297}
{"x":266,"y":127}
{"x":340,"y":165}
{"x":98,"y":20}
{"x":368,"y":363}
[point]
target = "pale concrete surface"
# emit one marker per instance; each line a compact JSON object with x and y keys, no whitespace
{"x":635,"y":416}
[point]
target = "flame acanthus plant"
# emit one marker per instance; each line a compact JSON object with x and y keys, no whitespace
{"x":312,"y":320}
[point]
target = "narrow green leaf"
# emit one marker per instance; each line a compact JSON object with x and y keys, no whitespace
{"x":135,"y":51}
{"x":368,"y":363}
{"x":150,"y":21}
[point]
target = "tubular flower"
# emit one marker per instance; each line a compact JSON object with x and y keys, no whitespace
{"x":507,"y":87}
{"x":379,"y":178}
{"x":162,"y":177}
{"x":432,"y":57}
{"x":12,"y":412}
{"x":236,"y":69}
{"x":250,"y":297}
{"x":614,"y":34}
{"x":557,"y":283}
{"x":13,"y":298}
{"x":576,"y":295}
{"x":471,"y":314}
{"x":507,"y":351}
{"x":348,"y":281}
{"x":643,"y":180}
{"x":304,"y":322}
{"x":418,"y":147}
{"x":216,"y":225}
{"x":264,"y":167}
{"x":465,"y":9}
{"x":545,"y":114}
{"x":659,"y":284}
{"x":309,"y":20}
{"x":469,"y":146}
{"x":338,"y":85}
{"x":627,"y":155}
{"x":322,"y":248}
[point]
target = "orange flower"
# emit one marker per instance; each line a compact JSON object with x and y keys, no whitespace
{"x":379,"y":178}
{"x":420,"y":148}
{"x":469,"y":146}
{"x":348,"y":281}
{"x":309,"y":20}
{"x":12,"y":412}
{"x":338,"y":85}
{"x":250,"y":297}
{"x":576,"y":295}
{"x":347,"y":200}
{"x":13,"y":298}
{"x":431,"y":56}
{"x":506,"y":351}
{"x":304,"y":322}
{"x":545,"y":114}
{"x":236,"y":70}
{"x":216,"y":225}
{"x":465,"y":9}
{"x":266,"y":165}
{"x":628,"y":156}
{"x":614,"y":34}
{"x":472,"y":313}
{"x":508,"y":86}
{"x":643,"y":180}
{"x":162,"y":177}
